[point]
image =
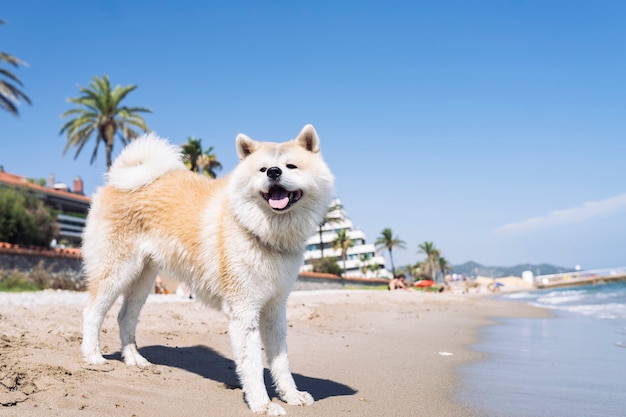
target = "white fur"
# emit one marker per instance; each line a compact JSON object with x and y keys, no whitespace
{"x":144,"y":160}
{"x":232,"y":249}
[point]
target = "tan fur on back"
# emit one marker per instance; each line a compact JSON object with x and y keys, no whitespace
{"x":168,"y":207}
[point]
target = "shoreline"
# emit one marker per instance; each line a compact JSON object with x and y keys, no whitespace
{"x":358,"y":352}
{"x":562,"y":365}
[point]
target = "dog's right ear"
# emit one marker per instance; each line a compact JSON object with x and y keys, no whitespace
{"x":308,"y":139}
{"x":245,"y":146}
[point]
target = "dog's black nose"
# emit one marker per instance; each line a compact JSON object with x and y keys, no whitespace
{"x":274,"y":172}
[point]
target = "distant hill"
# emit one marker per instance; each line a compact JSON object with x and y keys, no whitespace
{"x":474,"y":269}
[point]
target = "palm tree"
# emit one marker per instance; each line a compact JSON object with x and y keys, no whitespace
{"x":430,"y":265}
{"x":415,"y":270}
{"x":374,"y":268}
{"x":10,"y":95}
{"x":386,"y":240}
{"x":191,"y":152}
{"x":197,"y":160}
{"x":364,"y":258}
{"x":444,"y":266}
{"x":208,"y":163}
{"x":329,"y":218}
{"x":343,"y":243}
{"x":102,"y":114}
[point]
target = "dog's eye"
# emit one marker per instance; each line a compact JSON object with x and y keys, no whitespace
{"x":263,"y":169}
{"x":291,"y":166}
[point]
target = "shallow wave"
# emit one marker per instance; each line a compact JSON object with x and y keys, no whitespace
{"x":609,"y":295}
{"x":601,"y":311}
{"x":521,"y":295}
{"x":602,"y":301}
{"x":561,"y":299}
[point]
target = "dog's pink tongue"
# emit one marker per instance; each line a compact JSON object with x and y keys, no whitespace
{"x":279,"y":199}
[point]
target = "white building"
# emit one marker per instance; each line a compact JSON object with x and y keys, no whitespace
{"x":362,"y":261}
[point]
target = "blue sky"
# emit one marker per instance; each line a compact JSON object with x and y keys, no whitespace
{"x":495,"y":129}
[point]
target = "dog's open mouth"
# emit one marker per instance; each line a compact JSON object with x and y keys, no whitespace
{"x":280,"y":199}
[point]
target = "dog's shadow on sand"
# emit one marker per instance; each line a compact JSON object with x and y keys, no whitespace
{"x":210,"y":364}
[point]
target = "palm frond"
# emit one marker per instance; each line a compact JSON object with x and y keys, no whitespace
{"x":8,"y":105}
{"x":95,"y":152}
{"x":132,"y":110}
{"x":73,"y":111}
{"x":13,"y":93}
{"x":10,"y":95}
{"x":78,"y":137}
{"x":12,"y":60}
{"x":82,"y":137}
{"x":119,"y":93}
{"x":10,"y":75}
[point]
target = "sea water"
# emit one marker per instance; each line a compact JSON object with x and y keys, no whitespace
{"x":569,"y":365}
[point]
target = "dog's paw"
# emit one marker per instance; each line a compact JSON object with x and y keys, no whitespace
{"x":136,"y":361}
{"x":269,"y":409}
{"x":132,"y":357}
{"x":298,"y":398}
{"x":95,"y":359}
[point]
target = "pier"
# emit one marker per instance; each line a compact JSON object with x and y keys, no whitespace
{"x":596,"y":276}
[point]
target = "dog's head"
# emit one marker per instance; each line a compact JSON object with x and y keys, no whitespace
{"x":279,"y":179}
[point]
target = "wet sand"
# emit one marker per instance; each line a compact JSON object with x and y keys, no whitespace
{"x":359,"y":353}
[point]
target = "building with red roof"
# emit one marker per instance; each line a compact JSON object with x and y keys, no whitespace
{"x":70,"y":206}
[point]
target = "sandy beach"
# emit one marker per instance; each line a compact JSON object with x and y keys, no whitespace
{"x":359,"y":353}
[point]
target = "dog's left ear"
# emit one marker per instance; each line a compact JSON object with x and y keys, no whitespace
{"x":308,"y":139}
{"x":245,"y":146}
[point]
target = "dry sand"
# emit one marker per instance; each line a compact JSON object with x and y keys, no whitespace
{"x":359,"y":353}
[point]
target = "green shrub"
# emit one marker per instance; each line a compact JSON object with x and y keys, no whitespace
{"x":17,"y":282}
{"x":326,"y":265}
{"x":24,"y":219}
{"x":39,"y":278}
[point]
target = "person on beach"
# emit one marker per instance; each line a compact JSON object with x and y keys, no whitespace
{"x":159,"y":287}
{"x":398,"y":282}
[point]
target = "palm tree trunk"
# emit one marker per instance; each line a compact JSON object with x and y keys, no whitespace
{"x":109,"y":151}
{"x":434,"y":270}
{"x":393,"y":268}
{"x":108,"y":136}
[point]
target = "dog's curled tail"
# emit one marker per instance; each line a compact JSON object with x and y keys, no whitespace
{"x":144,"y":160}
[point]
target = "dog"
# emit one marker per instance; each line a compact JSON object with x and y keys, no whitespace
{"x":237,"y":242}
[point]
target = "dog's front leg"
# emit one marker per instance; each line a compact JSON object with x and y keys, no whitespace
{"x":246,"y":344}
{"x":274,"y":334}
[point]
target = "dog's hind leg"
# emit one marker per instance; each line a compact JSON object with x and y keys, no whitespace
{"x":135,"y":297}
{"x":274,"y":334}
{"x":101,"y":300}
{"x":107,"y":282}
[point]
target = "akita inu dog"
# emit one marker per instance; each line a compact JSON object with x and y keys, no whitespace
{"x":237,"y":242}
